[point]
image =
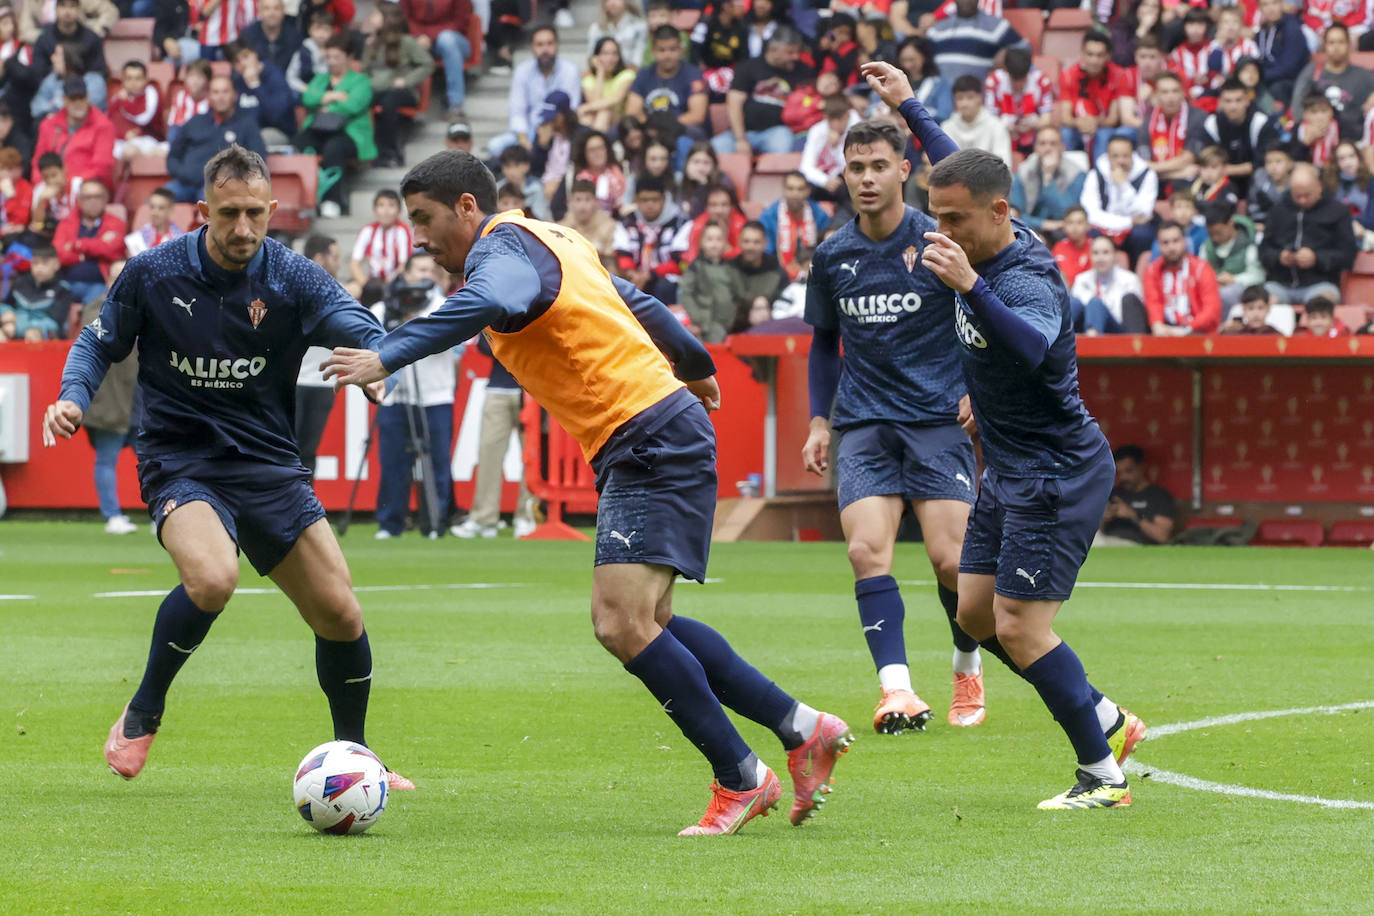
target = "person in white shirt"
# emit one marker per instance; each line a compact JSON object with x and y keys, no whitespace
{"x":822,"y":160}
{"x":419,"y":411}
{"x":1108,"y":299}
{"x":1119,"y":197}
{"x":973,"y":126}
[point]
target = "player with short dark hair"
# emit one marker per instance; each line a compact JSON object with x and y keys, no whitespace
{"x":592,"y":350}
{"x":897,"y":399}
{"x":221,"y":318}
{"x":1048,"y":471}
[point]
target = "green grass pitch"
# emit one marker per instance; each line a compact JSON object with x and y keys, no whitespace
{"x":549,"y":781}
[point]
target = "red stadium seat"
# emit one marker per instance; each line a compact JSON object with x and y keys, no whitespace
{"x":1358,"y":290}
{"x":719,"y":116}
{"x":1364,"y":264}
{"x":146,"y":174}
{"x":1028,"y":23}
{"x":1213,"y":521}
{"x":1353,"y":317}
{"x":118,"y":210}
{"x":478,"y":41}
{"x":1070,"y":18}
{"x":1362,"y":59}
{"x":221,"y":68}
{"x":753,"y":209}
{"x":766,"y":184}
{"x":294,"y":183}
{"x":1352,"y":533}
{"x":164,"y":74}
{"x":1065,"y":44}
{"x":1292,"y":532}
{"x":738,"y":167}
{"x":119,"y":51}
{"x":686,"y":20}
{"x":1048,"y":66}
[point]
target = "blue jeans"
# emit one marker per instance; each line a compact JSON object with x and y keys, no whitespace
{"x":393,"y":446}
{"x":769,"y":140}
{"x":184,"y":193}
{"x":1094,"y":315}
{"x":107,"y":446}
{"x":85,"y":291}
{"x":1301,"y":295}
{"x":454,"y":50}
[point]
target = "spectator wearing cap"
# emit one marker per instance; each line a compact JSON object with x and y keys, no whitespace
{"x":97,"y":16}
{"x":969,"y":42}
{"x":551,"y":154}
{"x":670,"y":89}
{"x":531,"y":85}
{"x":440,"y":27}
{"x":793,"y":223}
{"x":397,"y":65}
{"x":459,"y":136}
{"x":79,"y":133}
{"x":274,"y":37}
{"x":1181,"y":293}
{"x":88,"y":241}
{"x":1346,"y":86}
{"x":973,"y":126}
{"x":1308,"y":241}
{"x":758,"y":95}
{"x":207,"y":134}
{"x":1046,"y":185}
{"x":1232,"y":251}
{"x":339,"y":127}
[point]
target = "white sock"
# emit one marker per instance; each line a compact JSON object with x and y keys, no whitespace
{"x":1105,"y":768}
{"x":801,"y":722}
{"x":895,"y":677}
{"x":762,"y":772}
{"x":967,"y":662}
{"x":1107,"y":714}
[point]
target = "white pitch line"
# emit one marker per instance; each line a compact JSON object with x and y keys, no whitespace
{"x":1191,"y":782}
{"x":1198,"y":586}
{"x":156,"y":593}
{"x":17,"y":597}
{"x":1222,"y":788}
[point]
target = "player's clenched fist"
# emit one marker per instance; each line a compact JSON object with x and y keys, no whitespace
{"x":891,"y":84}
{"x":948,"y":262}
{"x":60,"y":420}
{"x":816,"y":451}
{"x":707,"y":391}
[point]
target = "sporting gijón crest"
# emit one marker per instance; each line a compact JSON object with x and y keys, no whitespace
{"x":909,"y":258}
{"x":257,"y":311}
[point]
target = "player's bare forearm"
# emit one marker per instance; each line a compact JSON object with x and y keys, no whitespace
{"x":816,"y":451}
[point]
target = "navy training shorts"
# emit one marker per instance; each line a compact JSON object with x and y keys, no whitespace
{"x":658,"y":497}
{"x":1033,"y":533}
{"x":264,"y":507}
{"x":906,"y":460}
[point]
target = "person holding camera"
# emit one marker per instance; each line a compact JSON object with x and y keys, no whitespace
{"x":415,"y":422}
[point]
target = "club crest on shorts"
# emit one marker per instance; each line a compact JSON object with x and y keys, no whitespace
{"x":257,"y":310}
{"x":909,"y":258}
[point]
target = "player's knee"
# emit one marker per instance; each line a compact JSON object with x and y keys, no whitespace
{"x":620,"y":630}
{"x":946,"y":565}
{"x":869,"y":559}
{"x":974,"y":621}
{"x":211,"y":589}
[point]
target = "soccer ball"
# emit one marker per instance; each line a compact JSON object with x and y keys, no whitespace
{"x":341,"y":788}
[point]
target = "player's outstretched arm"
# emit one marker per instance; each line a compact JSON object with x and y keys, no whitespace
{"x":949,"y":262}
{"x":893,"y":87}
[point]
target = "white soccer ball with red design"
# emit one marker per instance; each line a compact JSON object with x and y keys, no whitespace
{"x":341,"y":788}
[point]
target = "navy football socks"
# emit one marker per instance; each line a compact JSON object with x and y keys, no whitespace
{"x":736,"y":683}
{"x":1059,"y":679}
{"x":949,"y":600}
{"x":882,"y":614}
{"x":678,"y":681}
{"x":179,"y":629}
{"x":345,"y":674}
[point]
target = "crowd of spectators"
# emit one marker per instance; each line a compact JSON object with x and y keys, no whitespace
{"x":1189,"y":156}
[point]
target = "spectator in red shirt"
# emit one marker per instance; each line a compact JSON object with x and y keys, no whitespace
{"x":441,"y":26}
{"x":1181,"y":294}
{"x":1320,"y":319}
{"x":1022,"y":96}
{"x":1073,"y":253}
{"x":1137,"y":82}
{"x":722,"y":206}
{"x":136,"y":114}
{"x":80,"y":134}
{"x":16,"y":196}
{"x":1090,"y":98}
{"x":88,"y":241}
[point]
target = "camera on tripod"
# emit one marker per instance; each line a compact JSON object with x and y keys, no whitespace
{"x":405,"y":301}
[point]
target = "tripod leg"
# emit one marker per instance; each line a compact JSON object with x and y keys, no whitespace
{"x":358,"y":477}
